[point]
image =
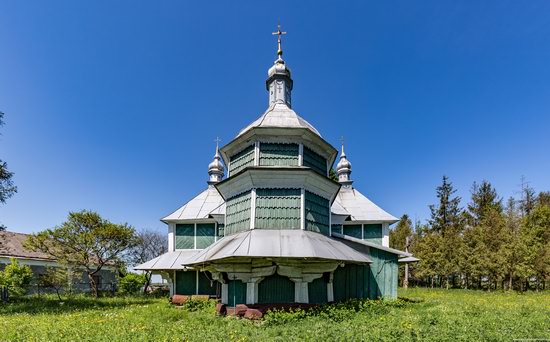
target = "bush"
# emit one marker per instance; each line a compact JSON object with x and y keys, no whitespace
{"x":16,"y":278}
{"x":131,"y":283}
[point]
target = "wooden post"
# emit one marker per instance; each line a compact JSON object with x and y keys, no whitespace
{"x":406,"y":278}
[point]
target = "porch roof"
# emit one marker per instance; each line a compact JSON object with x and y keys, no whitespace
{"x":168,"y":261}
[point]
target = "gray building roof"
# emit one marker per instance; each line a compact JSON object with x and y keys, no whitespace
{"x":371,"y":244}
{"x":168,"y":261}
{"x":280,"y":115}
{"x":199,"y":207}
{"x":12,"y":245}
{"x":359,"y":207}
{"x":270,"y":243}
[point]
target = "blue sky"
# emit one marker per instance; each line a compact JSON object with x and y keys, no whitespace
{"x":114,"y":105}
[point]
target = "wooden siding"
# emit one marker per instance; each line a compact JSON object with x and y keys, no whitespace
{"x":276,"y":289}
{"x":186,"y":282}
{"x":278,"y":208}
{"x":278,"y":154}
{"x":317,"y":213}
{"x":237,"y":215}
{"x":315,"y":161}
{"x":353,"y":230}
{"x":241,"y":160}
{"x":373,"y":233}
{"x":236,"y":292}
{"x":383,"y":274}
{"x":317,"y":291}
{"x":337,"y":228}
{"x":351,"y":281}
{"x":185,"y":236}
{"x":206,"y":286}
{"x":206,"y":233}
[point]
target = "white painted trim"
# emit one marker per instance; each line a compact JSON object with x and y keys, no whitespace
{"x":253,"y":208}
{"x":256,"y":153}
{"x":228,"y":168}
{"x":329,"y":220}
{"x":363,"y":232}
{"x":385,"y":235}
{"x":300,"y":154}
{"x":216,"y":232}
{"x":171,"y":237}
{"x":225,"y":294}
{"x":330,"y":288}
{"x":302,"y":208}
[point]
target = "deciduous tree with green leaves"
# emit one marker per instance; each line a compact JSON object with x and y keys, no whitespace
{"x":16,"y":277}
{"x":86,"y":241}
{"x":7,"y":188}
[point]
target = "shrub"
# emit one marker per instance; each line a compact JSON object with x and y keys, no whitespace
{"x":16,"y":278}
{"x":131,"y":283}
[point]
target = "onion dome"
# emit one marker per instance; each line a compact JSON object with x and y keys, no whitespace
{"x":343,"y":169}
{"x":216,"y":169}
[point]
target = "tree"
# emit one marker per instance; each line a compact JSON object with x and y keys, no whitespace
{"x":484,"y":199}
{"x":150,"y":245}
{"x":528,"y":198}
{"x":402,"y":231}
{"x":131,"y":283}
{"x":7,"y":188}
{"x":57,"y":279}
{"x":86,"y":241}
{"x":16,"y":278}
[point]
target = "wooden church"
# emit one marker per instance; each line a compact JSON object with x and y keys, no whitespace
{"x":278,"y":229}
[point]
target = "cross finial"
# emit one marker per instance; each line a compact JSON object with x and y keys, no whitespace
{"x":279,"y":33}
{"x":217,"y":140}
{"x":342,"y":142}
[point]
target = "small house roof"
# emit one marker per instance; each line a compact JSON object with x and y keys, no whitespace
{"x":280,"y":115}
{"x":359,"y":207}
{"x":273,"y":243}
{"x":12,"y":245}
{"x":168,"y":261}
{"x":199,"y":207}
{"x":371,"y":244}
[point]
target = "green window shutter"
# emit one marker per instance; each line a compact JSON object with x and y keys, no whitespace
{"x":237,"y":214}
{"x":353,"y":230}
{"x":317,"y":213}
{"x":185,"y":236}
{"x":278,"y":154}
{"x":315,"y":161}
{"x":373,"y":233}
{"x":186,"y":282}
{"x":337,"y":228}
{"x":278,"y":208}
{"x":206,"y":233}
{"x":206,"y":285}
{"x":241,"y":160}
{"x":317,"y":291}
{"x":276,"y":289}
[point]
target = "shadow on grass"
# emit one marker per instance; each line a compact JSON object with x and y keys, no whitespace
{"x":50,"y":304}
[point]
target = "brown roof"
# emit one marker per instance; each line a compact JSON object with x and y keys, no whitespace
{"x":11,"y":245}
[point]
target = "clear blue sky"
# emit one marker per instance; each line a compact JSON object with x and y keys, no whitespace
{"x":114,"y":105}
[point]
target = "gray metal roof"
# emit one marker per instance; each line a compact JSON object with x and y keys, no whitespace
{"x":168,"y":261}
{"x":408,"y":259}
{"x":371,"y":244}
{"x":199,"y":207}
{"x":267,"y":243}
{"x":280,"y":115}
{"x":360,"y":208}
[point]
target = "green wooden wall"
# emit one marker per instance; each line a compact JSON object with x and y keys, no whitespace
{"x":315,"y":161}
{"x":237,"y":213}
{"x":317,"y":291}
{"x":373,"y":233}
{"x":276,"y":289}
{"x":353,"y":230}
{"x":278,"y":154}
{"x":206,"y":286}
{"x":337,"y":228}
{"x":317,"y":213}
{"x":185,"y":236}
{"x":236,"y":292}
{"x":186,"y":282}
{"x":278,"y":208}
{"x":351,"y":281}
{"x":241,"y":160}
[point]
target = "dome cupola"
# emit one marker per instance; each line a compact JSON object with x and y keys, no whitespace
{"x":216,"y":169}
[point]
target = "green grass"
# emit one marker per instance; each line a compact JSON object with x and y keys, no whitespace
{"x":437,"y":315}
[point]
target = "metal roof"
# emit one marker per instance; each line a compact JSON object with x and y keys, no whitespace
{"x":270,"y":243}
{"x":199,"y":207}
{"x":280,"y":115}
{"x":408,"y":259}
{"x":360,"y":208}
{"x":371,"y":244}
{"x":168,"y":261}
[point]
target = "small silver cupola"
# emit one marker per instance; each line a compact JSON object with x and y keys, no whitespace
{"x":343,"y":169}
{"x":279,"y":83}
{"x":215,"y":168}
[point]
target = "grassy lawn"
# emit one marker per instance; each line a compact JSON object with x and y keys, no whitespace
{"x":456,"y":315}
